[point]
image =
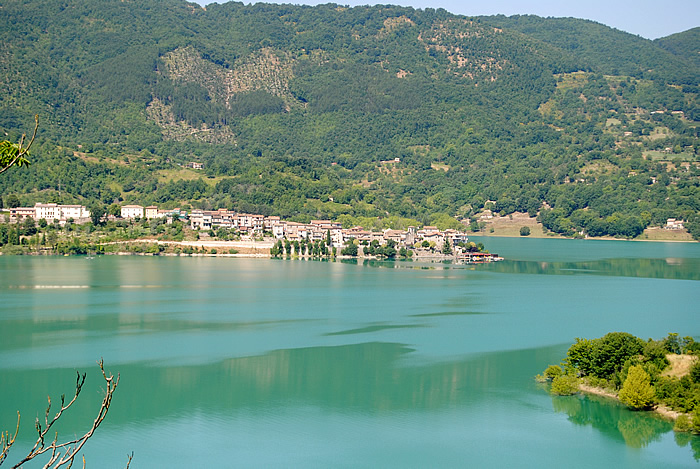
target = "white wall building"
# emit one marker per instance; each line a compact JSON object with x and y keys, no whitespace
{"x":132,"y":211}
{"x":48,"y":212}
{"x":51,"y":212}
{"x":75,"y":212}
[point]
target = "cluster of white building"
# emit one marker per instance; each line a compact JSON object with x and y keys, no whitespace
{"x":252,"y":224}
{"x":150,"y":212}
{"x":317,"y":230}
{"x":52,"y":212}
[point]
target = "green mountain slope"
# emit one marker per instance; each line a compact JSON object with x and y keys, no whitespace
{"x":314,"y":112}
{"x":685,"y":45}
{"x":605,"y":50}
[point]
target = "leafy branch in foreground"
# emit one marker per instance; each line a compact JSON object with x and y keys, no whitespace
{"x":15,"y":153}
{"x":63,"y":453}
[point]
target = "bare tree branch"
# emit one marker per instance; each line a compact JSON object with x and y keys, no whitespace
{"x":62,"y":454}
{"x":7,"y":442}
{"x":128,"y":462}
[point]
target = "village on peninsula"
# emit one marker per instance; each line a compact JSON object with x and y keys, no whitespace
{"x":270,"y":235}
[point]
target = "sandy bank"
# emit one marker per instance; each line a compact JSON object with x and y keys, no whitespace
{"x":243,"y":248}
{"x":661,"y":410}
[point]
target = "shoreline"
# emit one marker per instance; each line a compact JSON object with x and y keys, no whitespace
{"x":661,"y":410}
{"x":601,"y":238}
{"x":261,"y":248}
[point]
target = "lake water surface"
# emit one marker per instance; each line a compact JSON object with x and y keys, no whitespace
{"x":290,"y":363}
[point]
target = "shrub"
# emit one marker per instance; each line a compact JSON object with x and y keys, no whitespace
{"x":565,"y":385}
{"x":552,"y":371}
{"x":695,"y":372}
{"x":611,"y":351}
{"x":637,"y":391}
{"x":525,"y":231}
{"x":349,"y":250}
{"x":683,"y":424}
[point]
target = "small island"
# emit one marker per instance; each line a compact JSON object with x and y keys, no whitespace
{"x":652,"y":375}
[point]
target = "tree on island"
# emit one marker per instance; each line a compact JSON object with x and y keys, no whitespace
{"x":637,"y":391}
{"x":621,"y":361}
{"x":564,"y":385}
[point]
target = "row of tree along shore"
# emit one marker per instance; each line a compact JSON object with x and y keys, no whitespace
{"x":660,"y":375}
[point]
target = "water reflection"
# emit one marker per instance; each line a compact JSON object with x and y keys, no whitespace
{"x":636,"y":429}
{"x":365,"y":378}
{"x":684,"y":439}
{"x":368,"y":379}
{"x":679,"y":269}
{"x":666,"y":268}
{"x":374,"y":328}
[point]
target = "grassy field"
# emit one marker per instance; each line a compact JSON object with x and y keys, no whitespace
{"x":166,"y":175}
{"x":510,"y":226}
{"x":659,"y":234}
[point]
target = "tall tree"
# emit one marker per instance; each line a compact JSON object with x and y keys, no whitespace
{"x":637,"y":392}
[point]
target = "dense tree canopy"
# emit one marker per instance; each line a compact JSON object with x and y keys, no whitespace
{"x":329,"y":112}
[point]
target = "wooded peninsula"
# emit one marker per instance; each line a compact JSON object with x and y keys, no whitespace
{"x":661,"y":375}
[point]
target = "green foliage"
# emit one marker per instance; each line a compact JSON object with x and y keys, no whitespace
{"x":609,"y":52}
{"x":605,"y":357}
{"x":637,"y":391}
{"x":621,"y":361}
{"x":446,"y":248}
{"x":673,"y":343}
{"x":326,"y":98}
{"x":277,"y":249}
{"x":386,"y":250}
{"x":683,"y":424}
{"x":683,"y":45}
{"x":525,"y":231}
{"x":580,"y":356}
{"x":16,"y":154}
{"x":611,"y":351}
{"x":350,"y":249}
{"x":405,"y":253}
{"x":11,"y":154}
{"x":553,"y":371}
{"x":695,"y":372}
{"x":565,"y":385}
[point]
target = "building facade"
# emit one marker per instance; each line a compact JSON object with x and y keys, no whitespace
{"x":132,"y":211}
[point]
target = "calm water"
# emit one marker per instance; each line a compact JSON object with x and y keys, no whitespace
{"x":270,"y":363}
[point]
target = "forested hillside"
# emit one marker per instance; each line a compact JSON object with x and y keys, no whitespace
{"x":334,"y":112}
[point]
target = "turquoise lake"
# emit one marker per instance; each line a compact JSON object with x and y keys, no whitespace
{"x":293,"y":363}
